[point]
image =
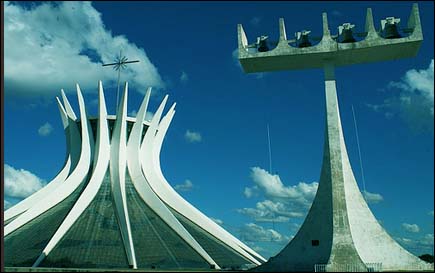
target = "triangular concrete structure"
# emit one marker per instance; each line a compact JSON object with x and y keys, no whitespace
{"x":340,"y":233}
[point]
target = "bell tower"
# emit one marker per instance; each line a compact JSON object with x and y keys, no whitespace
{"x":340,"y":233}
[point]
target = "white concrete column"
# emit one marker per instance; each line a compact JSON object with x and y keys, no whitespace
{"x":118,"y":162}
{"x":102,"y":156}
{"x":343,"y":250}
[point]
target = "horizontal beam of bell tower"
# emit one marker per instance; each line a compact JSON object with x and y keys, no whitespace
{"x":373,"y":48}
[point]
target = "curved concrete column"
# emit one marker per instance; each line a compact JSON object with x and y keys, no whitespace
{"x":52,"y":185}
{"x":74,"y":138}
{"x":373,"y":243}
{"x":172,"y":194}
{"x":163,"y":189}
{"x":343,"y":249}
{"x":141,"y":181}
{"x":76,"y":178}
{"x":117,"y":175}
{"x":102,"y":155}
{"x":83,"y":180}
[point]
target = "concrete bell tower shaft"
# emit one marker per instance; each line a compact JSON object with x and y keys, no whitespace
{"x":343,"y":250}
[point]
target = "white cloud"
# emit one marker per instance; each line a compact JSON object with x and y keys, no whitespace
{"x":45,"y":129}
{"x":270,"y":211}
{"x":94,"y":102}
{"x":403,"y":240}
{"x":132,"y":113}
{"x":217,"y":221}
{"x":255,"y":21}
{"x":64,"y":43}
{"x":336,"y":13}
{"x":259,"y":75}
{"x":6,"y":204}
{"x":281,"y":202}
{"x":186,"y":186}
{"x":428,"y":239}
{"x":418,"y":246}
{"x":250,"y":192}
{"x":192,"y":136}
{"x":411,"y":227}
{"x":258,"y":248}
{"x":372,"y":198}
{"x":273,"y":187}
{"x":235,"y":55}
{"x":254,"y":233}
{"x":184,"y":77}
{"x":414,"y":101}
{"x":431,"y":213}
{"x":148,"y":115}
{"x":20,"y":183}
{"x":277,"y":208}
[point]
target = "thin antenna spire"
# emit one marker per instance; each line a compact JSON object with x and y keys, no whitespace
{"x":270,"y":150}
{"x":359,"y":153}
{"x":270,"y":171}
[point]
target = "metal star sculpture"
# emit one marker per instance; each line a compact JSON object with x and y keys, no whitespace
{"x":119,"y":64}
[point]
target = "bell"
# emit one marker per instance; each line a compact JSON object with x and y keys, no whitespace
{"x":345,"y":33}
{"x":347,"y":37}
{"x":391,"y":31}
{"x":305,"y":42}
{"x":303,"y":39}
{"x":390,"y":28}
{"x":262,"y":44}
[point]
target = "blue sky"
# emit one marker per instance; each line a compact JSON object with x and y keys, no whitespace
{"x":216,"y":150}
